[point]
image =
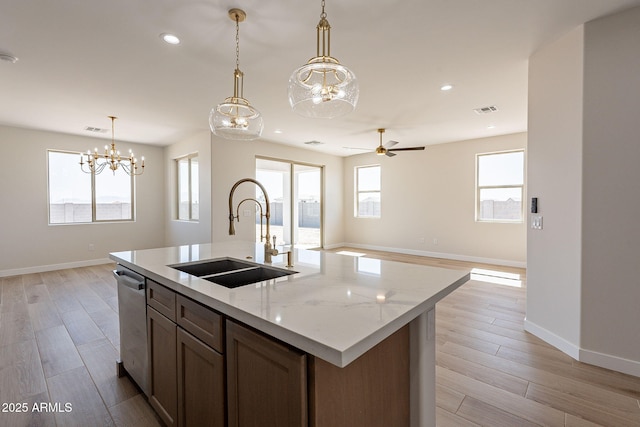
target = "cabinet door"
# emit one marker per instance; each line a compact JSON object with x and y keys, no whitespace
{"x":200,"y":383}
{"x":266,"y":381}
{"x":162,"y":363}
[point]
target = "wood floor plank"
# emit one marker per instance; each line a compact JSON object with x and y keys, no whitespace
{"x":76,"y":388}
{"x":108,"y":322}
{"x":516,"y":405}
{"x":15,"y":326}
{"x":134,"y":412}
{"x":44,"y":315}
{"x":100,"y":359}
{"x":21,"y":374}
{"x":448,"y":399}
{"x":57,"y":351}
{"x":81,"y":327}
{"x":32,"y":417}
{"x":599,"y":413}
{"x":488,"y":415}
{"x":487,"y":375}
{"x":447,"y":419}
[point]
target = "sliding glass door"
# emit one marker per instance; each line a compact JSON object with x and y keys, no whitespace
{"x":295,"y":193}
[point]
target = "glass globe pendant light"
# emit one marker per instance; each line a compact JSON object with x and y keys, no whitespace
{"x":235,"y":118}
{"x":323,"y":88}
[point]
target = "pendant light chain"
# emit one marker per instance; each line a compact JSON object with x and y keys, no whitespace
{"x":237,"y":42}
{"x":323,"y":15}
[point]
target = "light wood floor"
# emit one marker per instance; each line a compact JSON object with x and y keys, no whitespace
{"x":59,"y":339}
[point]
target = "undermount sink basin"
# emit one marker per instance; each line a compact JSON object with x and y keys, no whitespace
{"x":230,"y":272}
{"x":214,"y":266}
{"x":247,"y":276}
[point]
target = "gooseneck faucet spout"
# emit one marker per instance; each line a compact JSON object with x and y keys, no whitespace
{"x":269,"y":251}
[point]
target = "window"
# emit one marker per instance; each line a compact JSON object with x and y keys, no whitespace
{"x":79,"y":197}
{"x":367,"y":192}
{"x":188,"y":189}
{"x":500,"y":186}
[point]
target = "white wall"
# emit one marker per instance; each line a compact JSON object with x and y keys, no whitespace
{"x":555,"y":178}
{"x":234,"y":160}
{"x":611,"y":204}
{"x":583,"y":290}
{"x":28,"y":243}
{"x":188,"y":232}
{"x":429,"y":195}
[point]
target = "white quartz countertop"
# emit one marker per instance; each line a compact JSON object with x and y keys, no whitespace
{"x":335,"y":307}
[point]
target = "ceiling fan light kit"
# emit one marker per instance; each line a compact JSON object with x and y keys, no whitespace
{"x":323,"y":88}
{"x":235,"y":118}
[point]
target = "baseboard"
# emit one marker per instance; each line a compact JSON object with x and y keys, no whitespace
{"x":615,"y":363}
{"x":607,"y":361}
{"x":549,"y":337}
{"x":456,"y":257}
{"x":52,"y":267}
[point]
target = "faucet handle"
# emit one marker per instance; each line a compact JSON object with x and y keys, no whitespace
{"x":274,"y":241}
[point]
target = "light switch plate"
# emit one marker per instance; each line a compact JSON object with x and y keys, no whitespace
{"x":536,"y":222}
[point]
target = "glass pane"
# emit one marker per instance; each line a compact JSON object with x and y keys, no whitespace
{"x":501,"y":169}
{"x":113,"y":196}
{"x":69,"y":189}
{"x":369,"y":204}
{"x":369,"y":178}
{"x":195,"y":189}
{"x":308,"y":208}
{"x":274,"y":176}
{"x":183,"y":189}
{"x":501,"y":204}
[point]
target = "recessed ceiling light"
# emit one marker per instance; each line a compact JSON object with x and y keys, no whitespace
{"x":170,"y":38}
{"x":446,"y":87}
{"x":5,"y":57}
{"x":491,"y":127}
{"x":278,"y":131}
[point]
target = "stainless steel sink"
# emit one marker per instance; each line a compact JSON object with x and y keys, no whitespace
{"x":230,"y":272}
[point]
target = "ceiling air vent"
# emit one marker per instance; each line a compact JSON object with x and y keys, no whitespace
{"x":95,"y":130}
{"x":314,"y":143}
{"x":486,"y":110}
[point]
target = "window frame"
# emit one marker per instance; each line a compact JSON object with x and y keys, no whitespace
{"x":188,"y":158}
{"x":93,"y":202}
{"x":479,"y":188}
{"x":358,"y":192}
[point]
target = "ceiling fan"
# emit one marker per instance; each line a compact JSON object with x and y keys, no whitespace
{"x":386,"y":149}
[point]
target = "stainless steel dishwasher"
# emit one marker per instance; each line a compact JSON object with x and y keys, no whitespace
{"x":132,"y":307}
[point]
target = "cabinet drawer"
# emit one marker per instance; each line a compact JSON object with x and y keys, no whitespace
{"x":200,"y":321}
{"x":162,"y":299}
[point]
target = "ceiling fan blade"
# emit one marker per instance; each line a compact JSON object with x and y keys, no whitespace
{"x":389,"y":154}
{"x":390,"y":144}
{"x":408,"y":149}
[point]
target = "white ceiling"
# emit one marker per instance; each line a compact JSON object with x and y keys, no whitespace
{"x":81,"y":61}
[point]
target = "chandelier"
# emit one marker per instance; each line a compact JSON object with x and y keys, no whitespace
{"x":235,"y":118}
{"x":97,"y":162}
{"x":323,"y":88}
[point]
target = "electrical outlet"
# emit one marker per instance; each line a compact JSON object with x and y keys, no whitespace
{"x":91,"y":247}
{"x":435,"y":241}
{"x":421,"y":240}
{"x":248,"y":212}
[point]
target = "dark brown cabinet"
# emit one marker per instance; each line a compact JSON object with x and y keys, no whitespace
{"x":163,"y":395}
{"x":186,"y":361}
{"x":200,"y":383}
{"x":266,"y":381}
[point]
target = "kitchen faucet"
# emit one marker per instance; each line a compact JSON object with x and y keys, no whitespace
{"x":269,"y":250}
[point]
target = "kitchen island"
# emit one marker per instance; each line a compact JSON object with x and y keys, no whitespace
{"x":336,"y":310}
